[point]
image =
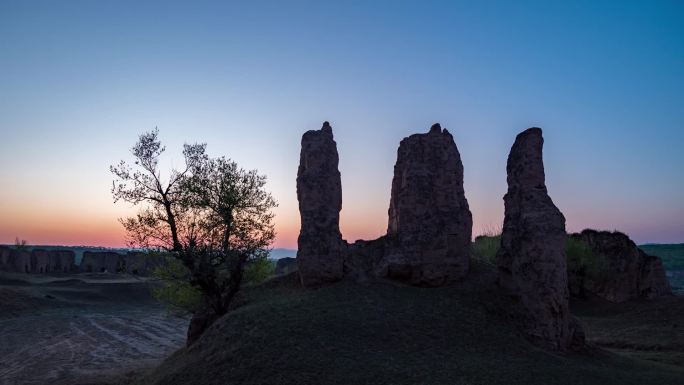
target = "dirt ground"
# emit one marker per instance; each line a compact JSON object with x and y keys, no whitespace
{"x":81,"y":329}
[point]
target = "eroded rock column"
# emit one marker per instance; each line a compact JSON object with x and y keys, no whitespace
{"x":319,"y":191}
{"x":430,"y":224}
{"x":531,"y":261}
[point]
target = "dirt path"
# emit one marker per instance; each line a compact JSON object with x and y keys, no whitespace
{"x":61,"y":346}
{"x":81,"y":329}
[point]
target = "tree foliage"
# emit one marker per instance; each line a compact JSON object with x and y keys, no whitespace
{"x":259,"y":269}
{"x":214,"y":218}
{"x":164,"y":221}
{"x":236,"y":225}
{"x":176,"y":291}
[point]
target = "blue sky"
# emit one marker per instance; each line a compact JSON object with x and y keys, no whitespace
{"x":605,"y":80}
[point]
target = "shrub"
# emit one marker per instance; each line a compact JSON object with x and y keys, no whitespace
{"x":259,"y":269}
{"x":175,"y":291}
{"x":179,"y":295}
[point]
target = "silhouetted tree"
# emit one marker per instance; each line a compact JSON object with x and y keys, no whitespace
{"x":237,"y":227}
{"x":212,"y":216}
{"x":20,"y":244}
{"x":161,"y":224}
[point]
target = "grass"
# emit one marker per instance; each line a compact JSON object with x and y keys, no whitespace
{"x":385,"y":333}
{"x":485,"y":247}
{"x":580,"y":256}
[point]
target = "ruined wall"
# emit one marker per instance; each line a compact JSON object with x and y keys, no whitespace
{"x":101,"y":261}
{"x":40,"y":261}
{"x":5,"y":253}
{"x":63,"y":261}
{"x":20,"y":261}
{"x":140,"y":263}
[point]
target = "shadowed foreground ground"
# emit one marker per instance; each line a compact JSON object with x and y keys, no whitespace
{"x":100,"y":329}
{"x":385,"y":333}
{"x":79,"y":331}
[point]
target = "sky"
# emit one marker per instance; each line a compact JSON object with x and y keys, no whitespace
{"x":80,"y":80}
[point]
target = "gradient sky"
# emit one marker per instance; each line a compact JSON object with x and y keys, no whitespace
{"x":605,"y":80}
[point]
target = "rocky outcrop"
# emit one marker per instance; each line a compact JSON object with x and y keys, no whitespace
{"x":319,"y":191}
{"x":653,"y":282}
{"x":531,"y":260}
{"x":430,"y":224}
{"x":611,"y":266}
{"x":364,"y":260}
{"x":101,"y":261}
{"x":285,"y":265}
{"x":429,"y":227}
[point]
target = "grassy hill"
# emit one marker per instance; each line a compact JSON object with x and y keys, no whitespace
{"x":387,"y":333}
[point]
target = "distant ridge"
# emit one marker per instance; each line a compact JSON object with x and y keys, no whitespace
{"x":661,"y":244}
{"x":279,"y":253}
{"x":276,"y":253}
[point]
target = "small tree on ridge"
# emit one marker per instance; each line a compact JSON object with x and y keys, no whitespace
{"x":212,"y":216}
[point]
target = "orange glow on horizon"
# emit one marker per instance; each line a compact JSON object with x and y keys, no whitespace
{"x":73,"y":233}
{"x":68,"y":227}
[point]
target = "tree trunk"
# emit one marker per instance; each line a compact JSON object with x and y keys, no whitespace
{"x":172,"y":225}
{"x":217,"y":304}
{"x":200,"y":322}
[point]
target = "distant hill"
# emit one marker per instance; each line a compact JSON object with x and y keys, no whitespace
{"x":671,"y":254}
{"x":673,"y":261}
{"x":283,"y":253}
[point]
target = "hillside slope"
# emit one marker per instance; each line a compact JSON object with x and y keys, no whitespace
{"x":383,"y":333}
